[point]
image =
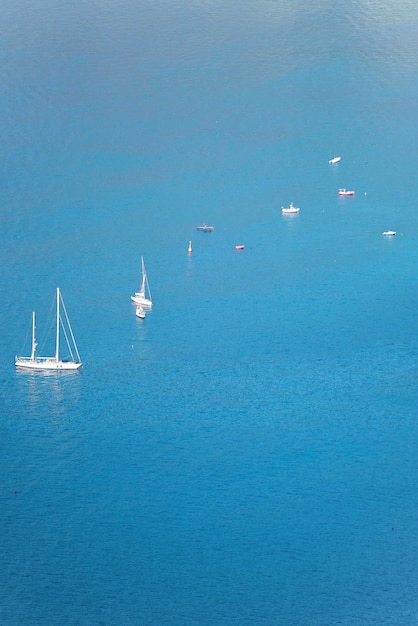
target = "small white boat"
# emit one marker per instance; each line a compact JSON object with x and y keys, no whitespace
{"x":143,"y":296}
{"x":73,"y":362}
{"x":345,"y":192}
{"x":290,"y":210}
{"x":239,"y":246}
{"x":334,"y":160}
{"x":139,"y":312}
{"x":205,"y":228}
{"x":389,"y":233}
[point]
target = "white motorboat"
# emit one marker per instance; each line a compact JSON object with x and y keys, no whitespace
{"x":334,"y":160}
{"x":345,"y":192}
{"x":290,"y":210}
{"x":34,"y":362}
{"x":205,"y":228}
{"x":389,"y":233}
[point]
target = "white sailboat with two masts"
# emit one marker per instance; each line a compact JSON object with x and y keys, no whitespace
{"x":73,"y":362}
{"x":143,"y":295}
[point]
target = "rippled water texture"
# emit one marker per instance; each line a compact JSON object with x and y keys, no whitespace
{"x":247,"y":453}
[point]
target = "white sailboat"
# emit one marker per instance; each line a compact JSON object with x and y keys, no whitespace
{"x":143,"y":296}
{"x":54,"y":362}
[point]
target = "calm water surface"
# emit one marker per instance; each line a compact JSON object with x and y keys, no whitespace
{"x":247,"y":453}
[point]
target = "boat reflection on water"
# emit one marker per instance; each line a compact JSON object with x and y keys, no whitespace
{"x":48,"y":393}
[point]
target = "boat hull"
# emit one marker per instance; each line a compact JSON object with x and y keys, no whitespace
{"x":290,"y":210}
{"x":140,"y":312}
{"x":46,"y":364}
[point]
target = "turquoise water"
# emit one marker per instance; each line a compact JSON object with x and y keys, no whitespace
{"x":247,"y":453}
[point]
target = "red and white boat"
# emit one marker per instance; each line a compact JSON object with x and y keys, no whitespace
{"x":240,"y":247}
{"x":345,"y":192}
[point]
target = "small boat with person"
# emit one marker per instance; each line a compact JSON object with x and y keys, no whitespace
{"x":72,"y":362}
{"x":290,"y":210}
{"x":139,"y":312}
{"x":205,"y":228}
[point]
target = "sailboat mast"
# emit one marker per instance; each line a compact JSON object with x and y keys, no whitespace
{"x":57,"y":337}
{"x":32,"y":356}
{"x":143,"y":276}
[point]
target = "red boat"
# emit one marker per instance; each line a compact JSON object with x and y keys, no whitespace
{"x":344,"y":192}
{"x":240,"y":247}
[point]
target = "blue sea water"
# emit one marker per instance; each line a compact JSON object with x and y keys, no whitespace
{"x":247,"y":454}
